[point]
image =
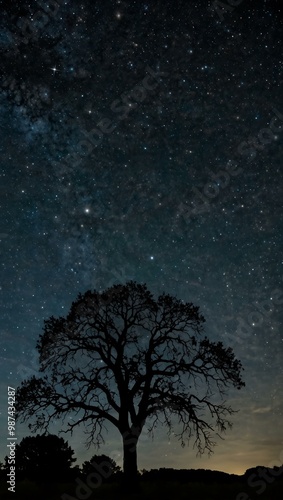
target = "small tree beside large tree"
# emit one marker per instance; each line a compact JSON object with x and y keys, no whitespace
{"x":125,"y":358}
{"x":98,"y":461}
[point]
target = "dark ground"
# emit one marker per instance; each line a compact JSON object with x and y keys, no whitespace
{"x":149,"y":490}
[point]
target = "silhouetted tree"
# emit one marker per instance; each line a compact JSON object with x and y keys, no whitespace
{"x":100,"y":461}
{"x":44,"y":458}
{"x":125,"y":358}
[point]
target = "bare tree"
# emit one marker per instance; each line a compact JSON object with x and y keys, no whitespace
{"x":126,"y":358}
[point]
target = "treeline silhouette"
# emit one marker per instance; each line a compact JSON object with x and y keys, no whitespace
{"x":188,"y":475}
{"x":182,"y":476}
{"x":210,"y":476}
{"x":49,"y":458}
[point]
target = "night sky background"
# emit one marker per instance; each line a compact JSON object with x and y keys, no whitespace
{"x":78,"y":215}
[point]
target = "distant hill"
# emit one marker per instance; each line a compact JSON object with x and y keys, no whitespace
{"x":272,"y":470}
{"x":211,"y":476}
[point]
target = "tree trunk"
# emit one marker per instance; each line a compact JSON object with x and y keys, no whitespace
{"x":130,"y":466}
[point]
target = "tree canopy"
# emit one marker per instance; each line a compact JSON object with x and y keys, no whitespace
{"x":44,"y":457}
{"x":126,"y":358}
{"x":98,"y":461}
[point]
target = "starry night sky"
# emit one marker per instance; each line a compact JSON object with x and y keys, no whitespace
{"x":115,"y":118}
